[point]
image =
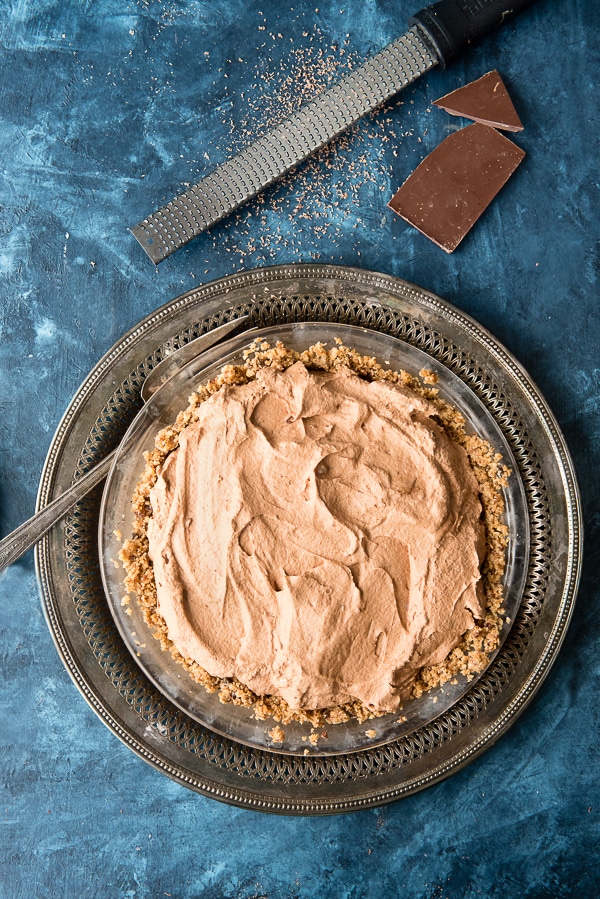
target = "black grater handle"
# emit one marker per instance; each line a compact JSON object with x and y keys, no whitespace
{"x":454,"y":25}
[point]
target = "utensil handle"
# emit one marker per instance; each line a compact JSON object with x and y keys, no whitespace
{"x":453,"y":25}
{"x":26,"y":535}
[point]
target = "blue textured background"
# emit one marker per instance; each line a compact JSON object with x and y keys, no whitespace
{"x":106,"y":110}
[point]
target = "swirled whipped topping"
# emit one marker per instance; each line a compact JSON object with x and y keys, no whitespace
{"x":318,"y":537}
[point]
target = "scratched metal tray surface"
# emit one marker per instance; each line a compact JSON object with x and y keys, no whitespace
{"x":131,"y":703}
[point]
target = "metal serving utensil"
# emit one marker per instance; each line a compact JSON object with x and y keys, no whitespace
{"x":31,"y":531}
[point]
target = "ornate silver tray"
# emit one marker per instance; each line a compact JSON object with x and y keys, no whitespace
{"x":124,"y":696}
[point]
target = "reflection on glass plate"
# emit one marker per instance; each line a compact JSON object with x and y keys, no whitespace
{"x":116,"y":518}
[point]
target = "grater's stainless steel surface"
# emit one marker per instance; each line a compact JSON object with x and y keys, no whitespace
{"x":271,"y":156}
{"x":106,"y":673}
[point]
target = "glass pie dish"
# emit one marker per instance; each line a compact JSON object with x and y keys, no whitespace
{"x":237,"y":722}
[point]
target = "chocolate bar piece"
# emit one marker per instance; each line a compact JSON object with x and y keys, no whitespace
{"x":451,"y":188}
{"x":485,"y":100}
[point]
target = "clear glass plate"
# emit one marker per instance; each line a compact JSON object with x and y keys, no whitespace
{"x":238,"y":723}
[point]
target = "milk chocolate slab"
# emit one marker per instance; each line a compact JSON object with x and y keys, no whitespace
{"x":451,"y":188}
{"x":485,"y":100}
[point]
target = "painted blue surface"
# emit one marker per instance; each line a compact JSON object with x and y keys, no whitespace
{"x":106,"y":110}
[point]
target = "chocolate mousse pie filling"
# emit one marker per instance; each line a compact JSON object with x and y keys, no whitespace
{"x":319,"y":538}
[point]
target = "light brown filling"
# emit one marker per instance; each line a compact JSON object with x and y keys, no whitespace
{"x":318,"y":537}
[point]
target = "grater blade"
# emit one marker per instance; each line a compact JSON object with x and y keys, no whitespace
{"x":282,"y":148}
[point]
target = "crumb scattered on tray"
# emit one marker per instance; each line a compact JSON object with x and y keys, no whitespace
{"x":277,"y":734}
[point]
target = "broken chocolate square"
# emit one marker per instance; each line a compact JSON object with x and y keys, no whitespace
{"x":451,"y":188}
{"x":486,"y":101}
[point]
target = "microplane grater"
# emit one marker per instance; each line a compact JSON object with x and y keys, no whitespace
{"x":439,"y":33}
